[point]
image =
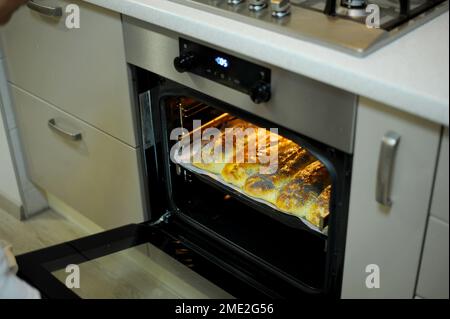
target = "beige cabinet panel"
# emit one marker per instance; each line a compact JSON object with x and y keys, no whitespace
{"x":82,"y":71}
{"x":97,"y":175}
{"x":439,"y":206}
{"x":433,"y":276}
{"x":378,"y":237}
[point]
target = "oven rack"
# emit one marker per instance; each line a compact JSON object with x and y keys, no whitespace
{"x":282,"y":217}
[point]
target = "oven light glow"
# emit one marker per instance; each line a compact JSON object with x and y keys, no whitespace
{"x":222,"y":62}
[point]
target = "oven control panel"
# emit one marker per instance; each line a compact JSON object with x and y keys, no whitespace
{"x":236,"y":73}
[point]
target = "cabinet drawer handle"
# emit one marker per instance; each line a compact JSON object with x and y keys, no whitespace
{"x":388,"y":151}
{"x":45,"y":10}
{"x":56,"y":128}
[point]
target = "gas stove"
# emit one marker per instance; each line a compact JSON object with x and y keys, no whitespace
{"x":358,"y":27}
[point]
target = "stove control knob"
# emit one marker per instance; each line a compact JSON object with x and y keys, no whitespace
{"x":354,"y":4}
{"x":184,"y":62}
{"x":280,"y":8}
{"x":260,"y":92}
{"x":235,"y":2}
{"x":257,"y":5}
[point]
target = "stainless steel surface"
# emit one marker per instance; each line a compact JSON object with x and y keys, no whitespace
{"x":311,"y":108}
{"x":344,"y":34}
{"x":301,"y":23}
{"x":45,"y":10}
{"x":148,"y":135}
{"x":72,"y":136}
{"x":389,"y":145}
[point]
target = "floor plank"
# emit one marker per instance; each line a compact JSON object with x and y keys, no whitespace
{"x":43,"y":230}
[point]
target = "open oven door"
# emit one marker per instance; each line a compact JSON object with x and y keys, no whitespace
{"x":134,"y":261}
{"x":162,"y":260}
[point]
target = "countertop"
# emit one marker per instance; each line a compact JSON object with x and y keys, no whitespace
{"x":410,"y":74}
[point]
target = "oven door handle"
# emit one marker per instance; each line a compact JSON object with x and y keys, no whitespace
{"x":388,"y":151}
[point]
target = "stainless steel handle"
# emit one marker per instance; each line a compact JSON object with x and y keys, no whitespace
{"x":386,"y":162}
{"x":45,"y":10}
{"x":56,"y":128}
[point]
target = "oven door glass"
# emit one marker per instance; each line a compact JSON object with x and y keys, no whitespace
{"x":134,"y":261}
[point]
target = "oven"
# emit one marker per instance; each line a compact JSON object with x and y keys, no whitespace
{"x":246,"y":169}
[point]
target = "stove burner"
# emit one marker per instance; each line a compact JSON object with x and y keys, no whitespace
{"x":352,"y":30}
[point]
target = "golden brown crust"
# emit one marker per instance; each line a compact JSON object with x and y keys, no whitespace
{"x":237,"y":174}
{"x":298,"y":196}
{"x":250,"y":164}
{"x":215,"y":164}
{"x":321,"y":208}
{"x":267,"y":186}
{"x":314,"y":174}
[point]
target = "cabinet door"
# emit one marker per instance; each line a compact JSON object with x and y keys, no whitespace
{"x":433,"y":276}
{"x":92,"y":172}
{"x":440,"y":204}
{"x":382,"y":240}
{"x":81,"y":71}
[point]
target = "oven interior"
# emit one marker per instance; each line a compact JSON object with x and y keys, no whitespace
{"x":279,"y":243}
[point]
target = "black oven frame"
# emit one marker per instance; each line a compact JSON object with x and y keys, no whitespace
{"x":337,"y":162}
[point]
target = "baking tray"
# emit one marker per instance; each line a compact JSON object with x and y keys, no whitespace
{"x":261,"y":205}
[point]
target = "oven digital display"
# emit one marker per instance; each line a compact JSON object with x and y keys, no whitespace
{"x":222,"y":62}
{"x":226,"y":69}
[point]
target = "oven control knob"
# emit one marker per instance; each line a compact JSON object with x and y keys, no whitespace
{"x":260,"y":92}
{"x":234,"y":2}
{"x":184,"y":62}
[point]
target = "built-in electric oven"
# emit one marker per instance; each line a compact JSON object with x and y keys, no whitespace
{"x":246,"y":168}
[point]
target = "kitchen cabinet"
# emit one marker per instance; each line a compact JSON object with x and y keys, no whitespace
{"x":81,"y":71}
{"x":433,"y":276}
{"x":92,"y":172}
{"x":78,"y":77}
{"x":440,"y":205}
{"x":384,"y":243}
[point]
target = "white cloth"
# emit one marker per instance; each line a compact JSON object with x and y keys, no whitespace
{"x":12,"y":287}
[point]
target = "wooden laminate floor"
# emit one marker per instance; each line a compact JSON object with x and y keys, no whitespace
{"x":43,"y":230}
{"x":143,"y":272}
